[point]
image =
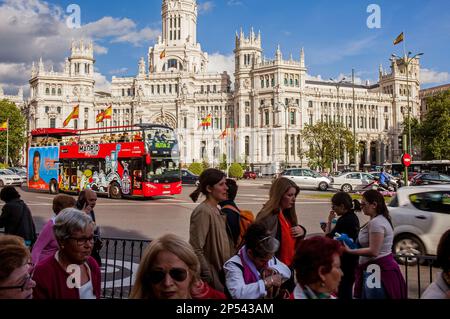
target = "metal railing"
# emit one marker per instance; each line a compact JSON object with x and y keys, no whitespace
{"x":121,"y":259}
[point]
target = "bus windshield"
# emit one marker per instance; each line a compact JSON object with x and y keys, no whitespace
{"x":163,"y":170}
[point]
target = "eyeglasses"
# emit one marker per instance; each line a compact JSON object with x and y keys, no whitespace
{"x":84,"y":240}
{"x":264,"y":239}
{"x":157,"y":276}
{"x":26,"y":281}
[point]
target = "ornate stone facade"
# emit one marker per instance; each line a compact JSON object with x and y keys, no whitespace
{"x":271,"y":103}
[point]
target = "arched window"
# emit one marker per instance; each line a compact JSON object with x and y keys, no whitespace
{"x":47,"y":91}
{"x":247,"y":146}
{"x":59,"y":92}
{"x":172,"y":64}
{"x":53,"y":91}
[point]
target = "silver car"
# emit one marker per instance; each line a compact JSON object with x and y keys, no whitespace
{"x":306,"y":178}
{"x":352,"y":181}
{"x":9,"y":178}
{"x":421,"y":215}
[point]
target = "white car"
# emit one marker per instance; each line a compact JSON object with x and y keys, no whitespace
{"x":306,"y":178}
{"x":9,"y":178}
{"x":352,"y":181}
{"x":421,"y":215}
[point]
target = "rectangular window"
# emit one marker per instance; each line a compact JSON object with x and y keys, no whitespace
{"x":202,"y":89}
{"x":386,"y":124}
{"x":273,"y":81}
{"x":158,"y":89}
{"x":85,"y":124}
{"x":52,"y":123}
{"x":292,"y":120}
{"x":214,"y":88}
{"x":262,"y":83}
{"x":267,"y":122}
{"x":268,"y":145}
{"x":153,"y":89}
{"x":247,"y":120}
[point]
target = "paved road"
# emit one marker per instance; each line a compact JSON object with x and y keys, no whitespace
{"x":147,"y":219}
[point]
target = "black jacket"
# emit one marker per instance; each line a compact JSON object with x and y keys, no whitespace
{"x":17,"y":220}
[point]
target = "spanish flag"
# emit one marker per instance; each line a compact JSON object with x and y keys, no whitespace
{"x":399,"y":39}
{"x":224,"y":134}
{"x":108,"y":113}
{"x":207,"y":122}
{"x":4,"y":126}
{"x":162,"y":55}
{"x":74,"y":115}
{"x":100,"y":117}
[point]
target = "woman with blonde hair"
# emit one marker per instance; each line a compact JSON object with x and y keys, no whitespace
{"x":280,"y":218}
{"x":170,"y":269}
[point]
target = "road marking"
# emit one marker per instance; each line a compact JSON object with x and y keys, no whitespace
{"x":46,"y":198}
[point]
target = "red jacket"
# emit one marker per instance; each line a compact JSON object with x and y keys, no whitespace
{"x":51,"y":280}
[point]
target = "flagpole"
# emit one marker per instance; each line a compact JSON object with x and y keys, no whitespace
{"x":7,"y":141}
{"x":404,"y":44}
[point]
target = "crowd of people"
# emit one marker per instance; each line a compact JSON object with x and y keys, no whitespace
{"x":229,"y":254}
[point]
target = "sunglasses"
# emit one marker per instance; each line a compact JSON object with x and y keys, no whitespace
{"x":157,"y":276}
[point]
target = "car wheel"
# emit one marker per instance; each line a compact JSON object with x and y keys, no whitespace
{"x":347,"y":188}
{"x":408,"y":245}
{"x":53,"y":188}
{"x":323,"y":186}
{"x":114,"y":191}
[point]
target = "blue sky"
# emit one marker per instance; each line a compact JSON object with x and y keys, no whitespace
{"x":334,"y":34}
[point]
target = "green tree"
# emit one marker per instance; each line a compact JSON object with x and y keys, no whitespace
{"x":325,"y":141}
{"x":16,"y":134}
{"x":435,"y":128}
{"x":223,"y":163}
{"x":196,"y":168}
{"x":236,"y":171}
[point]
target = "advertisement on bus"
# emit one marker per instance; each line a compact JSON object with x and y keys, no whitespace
{"x":42,"y":167}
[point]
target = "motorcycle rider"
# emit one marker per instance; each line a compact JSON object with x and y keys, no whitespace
{"x":384,"y":179}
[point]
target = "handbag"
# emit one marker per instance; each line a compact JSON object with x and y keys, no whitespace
{"x":371,"y":292}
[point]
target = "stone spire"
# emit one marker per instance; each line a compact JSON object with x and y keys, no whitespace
{"x":278,"y":55}
{"x":33,"y":69}
{"x":41,"y":66}
{"x":302,"y":58}
{"x":142,"y":67}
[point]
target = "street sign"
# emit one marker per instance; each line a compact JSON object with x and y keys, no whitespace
{"x":407,"y":160}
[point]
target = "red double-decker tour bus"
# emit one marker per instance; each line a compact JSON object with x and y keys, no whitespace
{"x":141,"y":160}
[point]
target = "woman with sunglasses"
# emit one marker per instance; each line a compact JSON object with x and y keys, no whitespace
{"x":255,"y":272}
{"x":209,"y":234}
{"x":376,"y":240}
{"x":169,"y":269}
{"x":72,"y":273}
{"x":280,"y":218}
{"x":15,"y":269}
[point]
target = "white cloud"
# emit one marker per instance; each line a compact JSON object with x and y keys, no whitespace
{"x":219,"y":63}
{"x":31,"y":29}
{"x":234,"y":3}
{"x":138,"y":37}
{"x":430,"y":76}
{"x":205,"y":7}
{"x":118,"y":71}
{"x":101,"y":83}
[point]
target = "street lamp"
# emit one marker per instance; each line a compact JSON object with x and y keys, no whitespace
{"x":286,"y":150}
{"x":338,"y":85}
{"x":407,"y":61}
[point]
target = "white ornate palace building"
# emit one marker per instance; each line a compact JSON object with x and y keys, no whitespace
{"x":271,"y":100}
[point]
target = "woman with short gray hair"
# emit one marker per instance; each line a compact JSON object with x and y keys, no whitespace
{"x":72,"y":273}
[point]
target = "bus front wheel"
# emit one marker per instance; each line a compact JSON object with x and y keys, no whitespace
{"x":114,"y":191}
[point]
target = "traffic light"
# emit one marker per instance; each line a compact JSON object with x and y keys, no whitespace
{"x":400,"y":143}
